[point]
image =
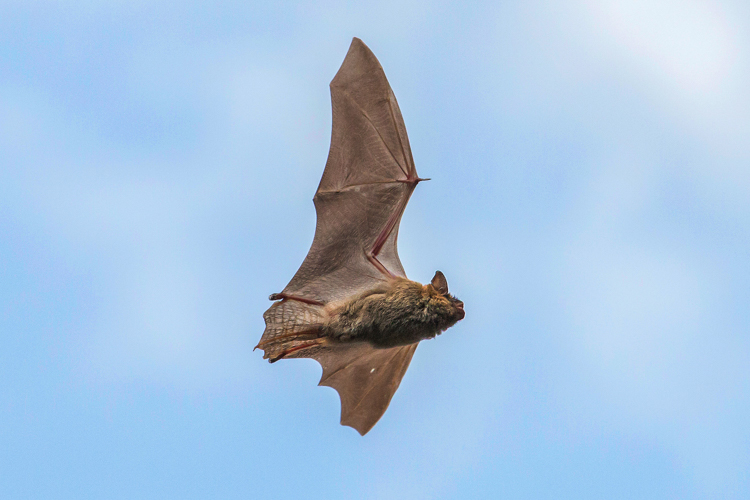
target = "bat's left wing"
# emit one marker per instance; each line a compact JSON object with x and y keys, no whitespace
{"x":367,"y":182}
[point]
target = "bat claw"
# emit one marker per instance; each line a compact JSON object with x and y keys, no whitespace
{"x":413,"y":180}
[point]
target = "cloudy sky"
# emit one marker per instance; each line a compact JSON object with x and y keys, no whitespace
{"x":589,"y":202}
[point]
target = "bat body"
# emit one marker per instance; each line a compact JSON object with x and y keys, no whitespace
{"x":350,"y":305}
{"x":401,"y":312}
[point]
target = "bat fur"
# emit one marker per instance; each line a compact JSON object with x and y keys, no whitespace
{"x":399,"y":312}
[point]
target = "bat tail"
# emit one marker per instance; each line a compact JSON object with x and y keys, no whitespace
{"x":291,"y":326}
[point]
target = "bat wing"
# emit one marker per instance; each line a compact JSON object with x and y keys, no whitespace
{"x":365,"y":378}
{"x":368,"y":179}
{"x":367,"y":182}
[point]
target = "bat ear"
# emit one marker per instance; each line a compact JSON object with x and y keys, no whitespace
{"x":439,"y":283}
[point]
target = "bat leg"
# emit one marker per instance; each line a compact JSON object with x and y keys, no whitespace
{"x":284,"y":296}
{"x":305,"y":345}
{"x":314,"y":332}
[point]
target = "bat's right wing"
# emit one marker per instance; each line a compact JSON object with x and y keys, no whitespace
{"x":368,"y":179}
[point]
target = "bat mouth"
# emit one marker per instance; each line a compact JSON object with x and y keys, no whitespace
{"x":460,"y":309}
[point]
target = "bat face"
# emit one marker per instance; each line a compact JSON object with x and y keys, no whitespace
{"x":440,"y":285}
{"x":350,"y":305}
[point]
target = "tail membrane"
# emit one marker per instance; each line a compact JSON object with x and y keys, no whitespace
{"x":290,"y":324}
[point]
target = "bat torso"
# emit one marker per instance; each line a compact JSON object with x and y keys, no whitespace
{"x":400,"y":312}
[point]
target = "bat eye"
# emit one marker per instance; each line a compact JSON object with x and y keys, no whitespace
{"x":439,"y":283}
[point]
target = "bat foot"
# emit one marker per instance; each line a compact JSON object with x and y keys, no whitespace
{"x":284,"y":296}
{"x":314,"y":331}
{"x":304,"y":345}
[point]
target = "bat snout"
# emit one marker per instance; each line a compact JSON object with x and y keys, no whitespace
{"x":460,"y":309}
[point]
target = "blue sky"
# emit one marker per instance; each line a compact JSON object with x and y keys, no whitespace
{"x":589,"y":202}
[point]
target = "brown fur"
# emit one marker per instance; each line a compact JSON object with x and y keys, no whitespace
{"x":403,"y":312}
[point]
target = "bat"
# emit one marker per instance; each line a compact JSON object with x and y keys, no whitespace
{"x":350,"y":305}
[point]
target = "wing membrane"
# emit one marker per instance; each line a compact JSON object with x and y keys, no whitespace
{"x":368,"y":179}
{"x":365,"y":378}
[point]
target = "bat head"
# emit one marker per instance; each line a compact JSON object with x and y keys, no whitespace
{"x":451,"y":307}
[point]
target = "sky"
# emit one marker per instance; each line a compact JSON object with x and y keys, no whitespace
{"x":589,"y":203}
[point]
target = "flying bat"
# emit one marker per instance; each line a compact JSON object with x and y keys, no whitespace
{"x":350,"y":306}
